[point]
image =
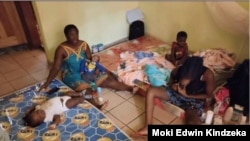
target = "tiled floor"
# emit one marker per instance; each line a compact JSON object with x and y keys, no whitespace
{"x":19,"y":69}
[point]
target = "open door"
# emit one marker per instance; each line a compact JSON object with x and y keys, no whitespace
{"x":11,"y":30}
{"x":29,"y":23}
{"x":18,"y":25}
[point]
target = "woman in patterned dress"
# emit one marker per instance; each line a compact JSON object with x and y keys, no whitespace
{"x":68,"y":57}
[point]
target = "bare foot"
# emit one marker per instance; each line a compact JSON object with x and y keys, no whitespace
{"x":142,"y":132}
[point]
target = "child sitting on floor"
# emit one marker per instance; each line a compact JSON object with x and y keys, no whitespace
{"x":91,"y":70}
{"x":50,"y":110}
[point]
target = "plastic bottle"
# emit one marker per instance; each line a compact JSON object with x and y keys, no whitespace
{"x":237,"y":114}
{"x":93,"y":86}
{"x":203,"y":117}
{"x":209,"y":117}
{"x":99,"y":95}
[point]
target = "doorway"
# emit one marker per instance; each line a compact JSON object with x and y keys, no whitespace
{"x":18,"y":25}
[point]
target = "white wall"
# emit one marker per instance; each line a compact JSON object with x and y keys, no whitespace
{"x":105,"y":22}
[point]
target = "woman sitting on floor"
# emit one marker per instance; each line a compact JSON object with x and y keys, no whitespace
{"x":68,"y":57}
{"x":191,"y":84}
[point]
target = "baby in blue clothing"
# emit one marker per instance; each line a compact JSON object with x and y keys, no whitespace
{"x":91,"y":70}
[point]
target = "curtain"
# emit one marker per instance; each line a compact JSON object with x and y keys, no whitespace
{"x":230,"y":16}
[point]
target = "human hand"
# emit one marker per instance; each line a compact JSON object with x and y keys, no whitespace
{"x":181,"y":87}
{"x":43,"y":88}
{"x":178,"y":55}
{"x":182,"y":90}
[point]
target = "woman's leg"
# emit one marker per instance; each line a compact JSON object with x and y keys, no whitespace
{"x":74,"y":101}
{"x":152,"y":93}
{"x":101,"y":79}
{"x":77,"y":98}
{"x":82,"y":87}
{"x":108,"y":81}
{"x":113,"y":83}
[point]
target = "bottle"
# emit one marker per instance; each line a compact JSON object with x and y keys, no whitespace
{"x":93,"y":86}
{"x":237,"y":114}
{"x":203,"y":117}
{"x":209,"y":117}
{"x":100,"y":99}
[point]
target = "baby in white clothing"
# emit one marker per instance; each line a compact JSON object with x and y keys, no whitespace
{"x":51,"y":109}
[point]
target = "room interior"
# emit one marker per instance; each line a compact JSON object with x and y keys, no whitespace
{"x":208,"y":24}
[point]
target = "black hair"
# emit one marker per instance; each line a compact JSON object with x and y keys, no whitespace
{"x":191,"y":69}
{"x":70,"y":27}
{"x":181,"y":34}
{"x":29,"y":120}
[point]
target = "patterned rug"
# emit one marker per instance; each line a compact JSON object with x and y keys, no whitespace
{"x":82,"y":123}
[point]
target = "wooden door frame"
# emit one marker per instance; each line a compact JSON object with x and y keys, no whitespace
{"x":29,"y":23}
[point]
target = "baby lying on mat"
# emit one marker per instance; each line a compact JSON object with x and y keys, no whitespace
{"x":50,"y":110}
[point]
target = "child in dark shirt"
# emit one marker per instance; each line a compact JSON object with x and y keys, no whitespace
{"x":179,"y":50}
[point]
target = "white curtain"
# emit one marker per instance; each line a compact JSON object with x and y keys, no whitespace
{"x":230,"y":16}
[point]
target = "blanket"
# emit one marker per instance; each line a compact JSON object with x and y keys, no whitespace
{"x":84,"y":122}
{"x":110,"y":58}
{"x":145,"y":66}
{"x":128,"y":59}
